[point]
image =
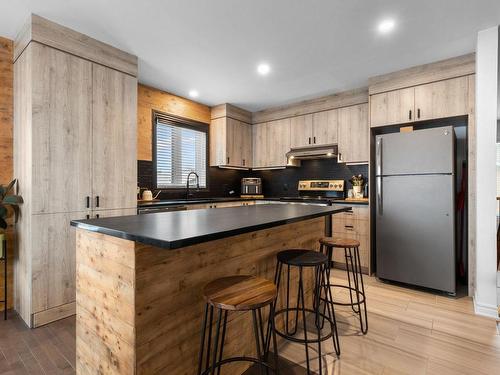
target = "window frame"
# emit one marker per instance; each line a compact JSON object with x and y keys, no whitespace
{"x":186,"y":123}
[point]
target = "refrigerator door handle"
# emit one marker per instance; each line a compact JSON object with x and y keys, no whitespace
{"x":380,"y":210}
{"x":378,"y":157}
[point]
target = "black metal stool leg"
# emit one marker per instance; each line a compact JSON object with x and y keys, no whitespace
{"x":224,"y":324}
{"x":202,"y":344}
{"x":319,"y":271}
{"x":209,"y":341}
{"x":275,"y":342}
{"x":257,"y":341}
{"x":360,"y":293}
{"x":277,"y":280}
{"x":333,"y":320}
{"x":348,"y":260}
{"x":287,"y":328}
{"x":216,"y":342}
{"x":302,"y":299}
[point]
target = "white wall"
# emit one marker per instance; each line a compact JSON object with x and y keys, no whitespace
{"x":485,"y":299}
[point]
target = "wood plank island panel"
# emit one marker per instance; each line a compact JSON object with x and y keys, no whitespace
{"x":6,"y":156}
{"x":150,"y":99}
{"x":139,"y":307}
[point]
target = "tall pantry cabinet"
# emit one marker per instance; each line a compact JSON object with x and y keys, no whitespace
{"x":74,"y":156}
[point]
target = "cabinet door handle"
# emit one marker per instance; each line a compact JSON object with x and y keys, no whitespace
{"x":349,"y":227}
{"x":87,"y":216}
{"x":97,"y":216}
{"x":309,"y":140}
{"x":97,"y":201}
{"x":87,"y":199}
{"x":228,"y":160}
{"x":409,"y":114}
{"x":418,"y":113}
{"x":339,"y":157}
{"x":314,"y":140}
{"x":243,"y":162}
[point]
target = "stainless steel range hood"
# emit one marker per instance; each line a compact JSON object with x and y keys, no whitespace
{"x":305,"y":153}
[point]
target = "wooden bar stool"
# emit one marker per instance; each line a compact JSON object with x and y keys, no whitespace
{"x":353,"y":267}
{"x":302,"y":258}
{"x":237,"y":293}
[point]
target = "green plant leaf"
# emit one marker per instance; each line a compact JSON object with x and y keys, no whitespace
{"x":12,"y":199}
{"x":3,"y":224}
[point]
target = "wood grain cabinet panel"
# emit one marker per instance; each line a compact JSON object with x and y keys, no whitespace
{"x":260,"y":141}
{"x":62,"y":118}
{"x":53,"y":259}
{"x":353,"y":134}
{"x":355,"y":225}
{"x":301,"y":133}
{"x":278,"y":142}
{"x":393,"y":107}
{"x":230,"y":143}
{"x":325,"y":127}
{"x":114,"y":126}
{"x":442,"y":99}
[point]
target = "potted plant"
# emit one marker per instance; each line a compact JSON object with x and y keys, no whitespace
{"x":9,"y":204}
{"x":357,"y":185}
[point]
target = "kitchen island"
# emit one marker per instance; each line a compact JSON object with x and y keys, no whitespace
{"x":140,"y":279}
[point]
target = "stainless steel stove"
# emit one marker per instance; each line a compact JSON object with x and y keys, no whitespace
{"x":318,"y":192}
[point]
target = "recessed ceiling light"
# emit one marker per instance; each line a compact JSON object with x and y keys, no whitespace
{"x":263,"y":69}
{"x":386,"y":26}
{"x":194,"y":93}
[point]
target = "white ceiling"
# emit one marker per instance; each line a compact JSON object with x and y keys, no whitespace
{"x":314,"y":47}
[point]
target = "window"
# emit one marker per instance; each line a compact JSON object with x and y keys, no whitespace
{"x":180,"y":148}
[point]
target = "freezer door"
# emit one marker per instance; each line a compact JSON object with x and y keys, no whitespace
{"x":415,"y":230}
{"x":418,"y":152}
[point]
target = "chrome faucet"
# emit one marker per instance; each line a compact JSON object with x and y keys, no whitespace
{"x":187,"y":182}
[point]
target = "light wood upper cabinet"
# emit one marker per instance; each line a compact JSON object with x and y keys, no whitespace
{"x":271,"y":142}
{"x":260,"y":141}
{"x":301,"y":131}
{"x":441,"y":99}
{"x":325,"y":127}
{"x":315,"y":129}
{"x":393,"y":107}
{"x":447,"y":98}
{"x":114,"y":119}
{"x":278,"y":134}
{"x":62,"y":118}
{"x":353,"y":141}
{"x":230,"y":143}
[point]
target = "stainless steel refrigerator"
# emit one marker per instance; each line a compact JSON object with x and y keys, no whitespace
{"x":415,"y":208}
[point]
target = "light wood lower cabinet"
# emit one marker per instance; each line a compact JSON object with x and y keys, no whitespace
{"x":355,"y":225}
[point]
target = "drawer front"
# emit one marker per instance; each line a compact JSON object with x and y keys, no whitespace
{"x":350,"y":225}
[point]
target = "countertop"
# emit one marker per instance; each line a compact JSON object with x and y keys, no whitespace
{"x":182,"y":202}
{"x":172,"y":230}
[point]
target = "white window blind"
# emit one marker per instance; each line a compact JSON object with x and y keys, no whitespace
{"x":179,"y":151}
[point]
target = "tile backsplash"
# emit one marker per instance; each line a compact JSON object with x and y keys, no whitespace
{"x":280,"y":182}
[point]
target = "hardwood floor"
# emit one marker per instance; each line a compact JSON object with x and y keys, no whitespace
{"x":410,"y":332}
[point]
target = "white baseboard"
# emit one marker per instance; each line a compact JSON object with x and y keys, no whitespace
{"x":485,"y":309}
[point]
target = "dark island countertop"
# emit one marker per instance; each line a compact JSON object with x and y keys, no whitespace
{"x":172,"y":230}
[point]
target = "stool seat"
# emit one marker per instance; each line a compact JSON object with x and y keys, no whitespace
{"x":240,"y":293}
{"x":339,"y":242}
{"x":302,"y":257}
